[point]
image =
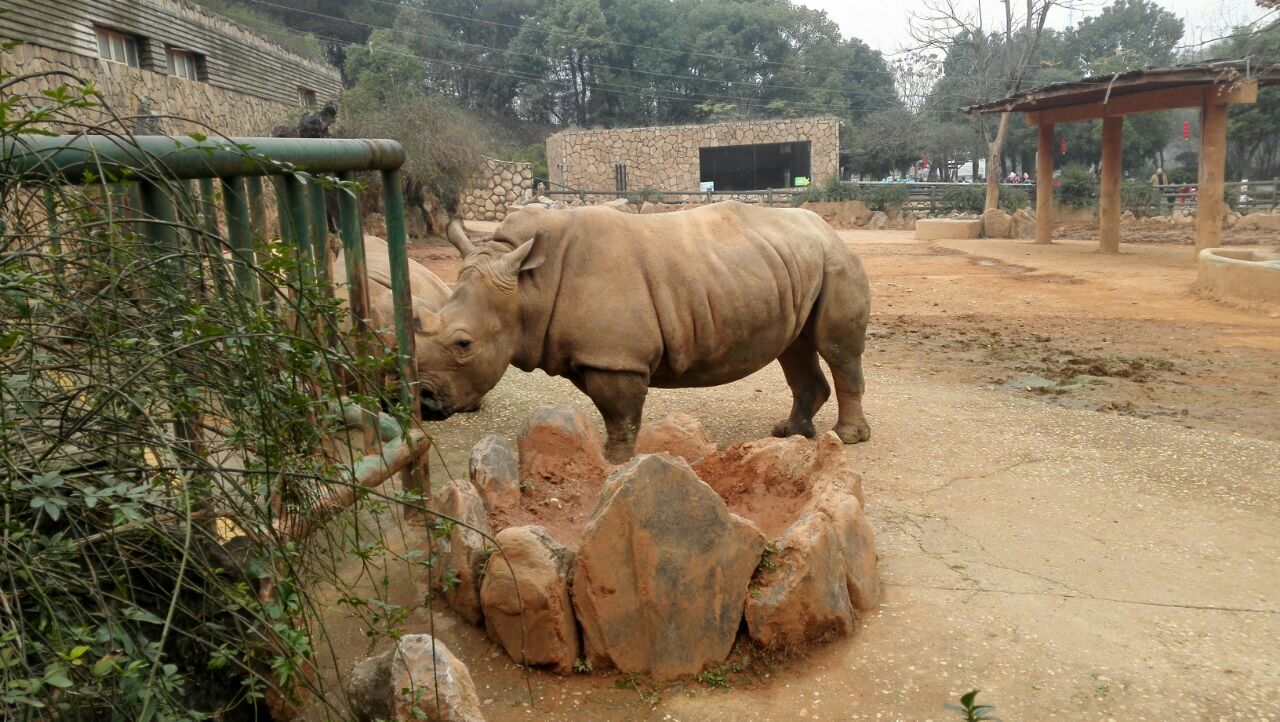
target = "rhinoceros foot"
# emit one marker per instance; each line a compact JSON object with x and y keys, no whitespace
{"x":783,"y":429}
{"x":853,"y":433}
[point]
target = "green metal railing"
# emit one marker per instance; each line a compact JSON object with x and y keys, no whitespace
{"x":142,"y":171}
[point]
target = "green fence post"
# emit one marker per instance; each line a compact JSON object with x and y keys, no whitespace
{"x":240,"y":236}
{"x":319,"y":228}
{"x":299,"y":238}
{"x":353,"y":255}
{"x":416,"y":478}
{"x":209,"y":207}
{"x":51,"y":218}
{"x":162,"y":235}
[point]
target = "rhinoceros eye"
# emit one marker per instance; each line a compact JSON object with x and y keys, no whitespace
{"x":463,"y":344}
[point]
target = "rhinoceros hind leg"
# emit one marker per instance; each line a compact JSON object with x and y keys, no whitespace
{"x":620,"y":398}
{"x":809,"y":388}
{"x":839,"y":326}
{"x":852,"y":425}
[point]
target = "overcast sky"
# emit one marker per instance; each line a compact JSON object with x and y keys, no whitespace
{"x":885,"y":24}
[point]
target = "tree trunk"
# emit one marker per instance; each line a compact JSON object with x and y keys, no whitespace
{"x":994,"y":150}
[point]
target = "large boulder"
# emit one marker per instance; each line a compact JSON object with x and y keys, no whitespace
{"x":996,"y":223}
{"x":857,"y":545}
{"x":558,"y":442}
{"x":495,"y":473}
{"x":418,"y":679}
{"x":878,"y":221}
{"x":534,"y":624}
{"x":1259,"y":221}
{"x":1024,"y":224}
{"x":845,"y":215}
{"x":799,"y":594}
{"x":460,"y":556}
{"x":660,"y":578}
{"x":676,"y":434}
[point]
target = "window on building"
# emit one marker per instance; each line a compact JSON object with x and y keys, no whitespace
{"x":117,"y":47}
{"x":754,"y":167}
{"x":184,"y":64}
{"x":306,"y":97}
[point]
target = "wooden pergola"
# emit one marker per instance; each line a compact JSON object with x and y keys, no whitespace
{"x":1209,"y":86}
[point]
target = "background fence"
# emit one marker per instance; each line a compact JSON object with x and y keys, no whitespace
{"x":930,"y":198}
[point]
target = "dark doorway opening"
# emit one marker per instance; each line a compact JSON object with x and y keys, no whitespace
{"x":754,"y":167}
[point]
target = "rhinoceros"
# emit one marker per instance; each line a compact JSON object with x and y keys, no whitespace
{"x":427,"y":293}
{"x":618,"y":303}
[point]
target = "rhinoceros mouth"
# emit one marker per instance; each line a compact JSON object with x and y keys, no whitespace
{"x":431,"y":407}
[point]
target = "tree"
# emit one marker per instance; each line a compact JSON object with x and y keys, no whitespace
{"x":996,"y":60}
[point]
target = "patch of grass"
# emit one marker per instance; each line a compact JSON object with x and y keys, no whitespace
{"x":716,"y":678}
{"x":582,"y":665}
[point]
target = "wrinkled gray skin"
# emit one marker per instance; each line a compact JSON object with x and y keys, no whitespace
{"x":618,"y":303}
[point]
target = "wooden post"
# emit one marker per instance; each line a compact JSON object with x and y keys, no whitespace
{"x":1044,"y":185}
{"x":1109,"y":213}
{"x":1213,"y":162}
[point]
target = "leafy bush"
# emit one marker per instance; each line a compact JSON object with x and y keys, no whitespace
{"x":1182,"y":176}
{"x":1012,"y":199}
{"x":832,"y":190}
{"x":1077,"y":188}
{"x":647,"y":194}
{"x":837,"y":190}
{"x":1138,"y":197}
{"x":882,"y":196}
{"x":963,"y":197}
{"x":160,"y":434}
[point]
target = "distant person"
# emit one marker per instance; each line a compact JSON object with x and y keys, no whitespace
{"x":1026,"y":177}
{"x":1159,"y":178}
{"x":1013,"y":177}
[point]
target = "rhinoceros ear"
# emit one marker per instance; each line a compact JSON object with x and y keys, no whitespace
{"x":526,"y":257}
{"x":425,"y":320}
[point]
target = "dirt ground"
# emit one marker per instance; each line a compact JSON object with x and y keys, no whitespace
{"x":1073,"y":481}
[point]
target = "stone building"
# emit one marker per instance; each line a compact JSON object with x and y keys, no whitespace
{"x":731,"y":156}
{"x":163,"y":58}
{"x":501,"y":184}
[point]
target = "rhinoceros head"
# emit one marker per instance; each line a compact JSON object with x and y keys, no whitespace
{"x":464,"y":349}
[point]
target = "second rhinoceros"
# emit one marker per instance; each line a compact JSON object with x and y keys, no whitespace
{"x":618,"y":303}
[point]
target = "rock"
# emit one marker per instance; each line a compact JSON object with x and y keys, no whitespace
{"x":403,"y":683}
{"x":1259,"y":221}
{"x":996,"y":223}
{"x":647,"y":207}
{"x":878,"y":221}
{"x":557,"y":442}
{"x":1231,"y":219}
{"x":1128,"y":217}
{"x":660,"y":579}
{"x":799,"y":593}
{"x":676,"y":434}
{"x":620,"y":204}
{"x":542,"y":569}
{"x":857,"y":544}
{"x":461,"y":555}
{"x":1024,"y":224}
{"x":831,"y":471}
{"x":495,"y":473}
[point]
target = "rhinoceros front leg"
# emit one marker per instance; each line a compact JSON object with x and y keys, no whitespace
{"x":620,"y":398}
{"x":809,"y":389}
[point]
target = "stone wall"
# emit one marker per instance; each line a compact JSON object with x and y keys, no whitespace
{"x":212,"y":109}
{"x":502,"y":183}
{"x":667,"y":157}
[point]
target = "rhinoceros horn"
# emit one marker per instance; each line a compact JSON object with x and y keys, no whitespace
{"x":458,"y":237}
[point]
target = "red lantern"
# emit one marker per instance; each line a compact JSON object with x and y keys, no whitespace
{"x":1186,"y":130}
{"x":1062,"y":144}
